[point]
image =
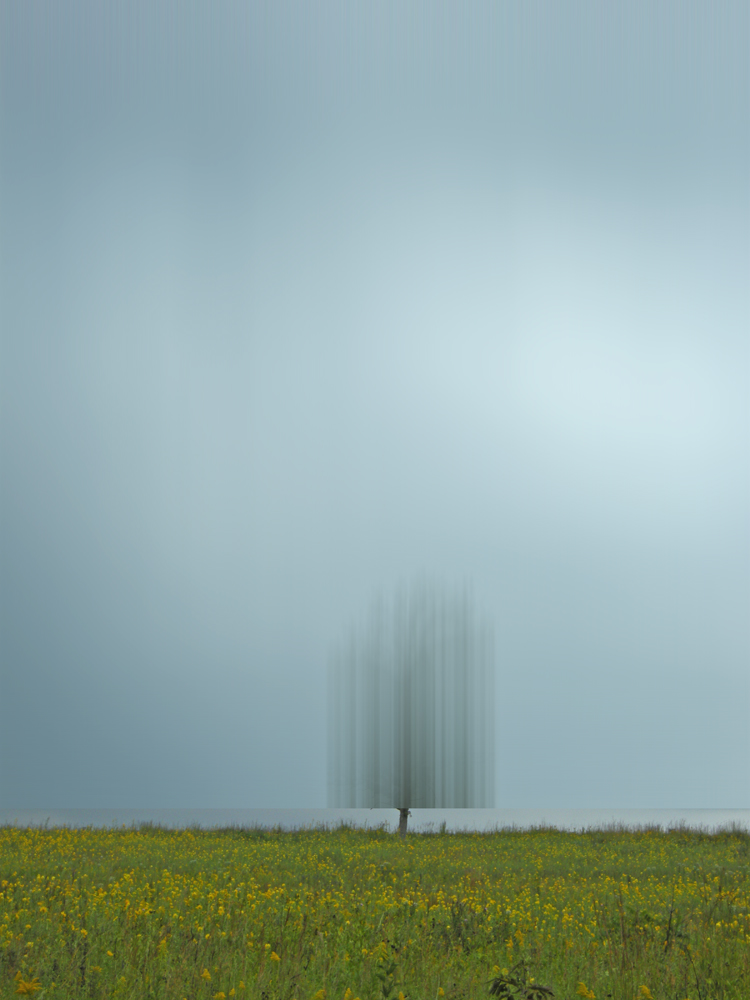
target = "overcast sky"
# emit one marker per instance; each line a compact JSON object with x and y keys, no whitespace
{"x":302,"y":301}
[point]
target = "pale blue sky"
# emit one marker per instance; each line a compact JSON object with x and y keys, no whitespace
{"x":298,"y":302}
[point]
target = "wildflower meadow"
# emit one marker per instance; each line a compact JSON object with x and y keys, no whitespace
{"x":346,"y":914}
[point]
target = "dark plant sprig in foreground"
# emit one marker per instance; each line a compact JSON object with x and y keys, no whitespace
{"x":515,"y":985}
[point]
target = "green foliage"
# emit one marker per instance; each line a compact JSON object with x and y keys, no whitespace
{"x":346,"y":914}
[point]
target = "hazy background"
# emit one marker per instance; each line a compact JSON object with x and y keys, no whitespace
{"x":299,"y":301}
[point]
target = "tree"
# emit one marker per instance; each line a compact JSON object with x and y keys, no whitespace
{"x":411,"y":707}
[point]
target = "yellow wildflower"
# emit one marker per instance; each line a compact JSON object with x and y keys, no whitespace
{"x":645,"y":992}
{"x":27,"y":987}
{"x":583,"y":991}
{"x":275,"y":957}
{"x":206,"y":975}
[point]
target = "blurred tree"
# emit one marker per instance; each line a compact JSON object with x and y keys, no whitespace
{"x":411,"y":707}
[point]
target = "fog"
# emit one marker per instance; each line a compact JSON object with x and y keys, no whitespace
{"x":300,"y":304}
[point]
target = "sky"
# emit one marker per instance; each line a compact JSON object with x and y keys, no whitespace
{"x":300,"y":302}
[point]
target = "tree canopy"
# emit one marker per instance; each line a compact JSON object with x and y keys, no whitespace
{"x":411,"y":706}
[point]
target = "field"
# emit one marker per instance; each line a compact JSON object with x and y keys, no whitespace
{"x":344,"y":914}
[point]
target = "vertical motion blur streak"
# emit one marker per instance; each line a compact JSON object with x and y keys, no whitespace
{"x":411,"y":707}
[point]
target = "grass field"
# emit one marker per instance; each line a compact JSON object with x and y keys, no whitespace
{"x":344,"y":914}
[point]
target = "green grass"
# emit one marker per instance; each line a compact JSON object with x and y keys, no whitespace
{"x":151,"y":912}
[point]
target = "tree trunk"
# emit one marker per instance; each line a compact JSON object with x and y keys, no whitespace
{"x":403,"y":819}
